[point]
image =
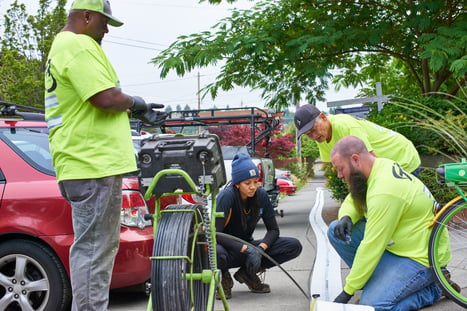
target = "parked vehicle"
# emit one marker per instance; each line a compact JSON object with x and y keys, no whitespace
{"x":265,"y":168}
{"x":262,"y":123}
{"x":283,"y":174}
{"x":286,"y":186}
{"x":35,"y":222}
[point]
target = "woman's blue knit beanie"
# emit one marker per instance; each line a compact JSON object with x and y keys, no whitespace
{"x":243,"y":168}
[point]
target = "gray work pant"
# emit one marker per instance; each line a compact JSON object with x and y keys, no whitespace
{"x":96,"y":206}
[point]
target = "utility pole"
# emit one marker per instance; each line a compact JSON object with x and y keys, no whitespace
{"x":298,"y":141}
{"x":199,"y":99}
{"x":199,"y":95}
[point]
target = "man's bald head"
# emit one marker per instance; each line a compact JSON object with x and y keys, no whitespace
{"x":349,"y":145}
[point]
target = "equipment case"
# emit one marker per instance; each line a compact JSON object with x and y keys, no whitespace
{"x":186,"y":153}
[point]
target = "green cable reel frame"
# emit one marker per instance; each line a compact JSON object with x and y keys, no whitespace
{"x":211,"y":275}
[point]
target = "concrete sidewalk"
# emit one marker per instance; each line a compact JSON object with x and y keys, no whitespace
{"x":285,"y":295}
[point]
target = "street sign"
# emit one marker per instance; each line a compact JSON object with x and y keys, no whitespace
{"x":353,"y":110}
{"x":359,"y":112}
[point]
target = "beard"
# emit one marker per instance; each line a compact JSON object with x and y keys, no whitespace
{"x":358,"y":188}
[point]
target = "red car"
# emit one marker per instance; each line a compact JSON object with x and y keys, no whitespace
{"x":36,"y":229}
{"x":286,"y":186}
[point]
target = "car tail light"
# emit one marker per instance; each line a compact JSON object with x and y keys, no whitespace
{"x":133,"y":210}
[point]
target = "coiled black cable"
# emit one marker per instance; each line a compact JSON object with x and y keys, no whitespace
{"x":174,"y":237}
{"x":263,"y":253}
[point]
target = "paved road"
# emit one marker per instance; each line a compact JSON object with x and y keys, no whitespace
{"x":285,"y":295}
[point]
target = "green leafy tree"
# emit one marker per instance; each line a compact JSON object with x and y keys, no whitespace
{"x":391,"y":72}
{"x":20,"y":79}
{"x":310,"y":150}
{"x":289,"y":48}
{"x":338,"y":188}
{"x":25,"y":43}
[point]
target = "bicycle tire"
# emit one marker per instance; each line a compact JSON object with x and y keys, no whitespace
{"x":179,"y":235}
{"x":455,"y":220}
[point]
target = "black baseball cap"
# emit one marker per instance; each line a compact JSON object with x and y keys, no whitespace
{"x":305,"y":118}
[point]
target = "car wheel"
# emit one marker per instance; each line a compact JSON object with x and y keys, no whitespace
{"x":32,"y":278}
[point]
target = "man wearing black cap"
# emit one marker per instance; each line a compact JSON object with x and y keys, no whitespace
{"x":243,"y":203}
{"x":380,"y":141}
{"x":91,"y":145}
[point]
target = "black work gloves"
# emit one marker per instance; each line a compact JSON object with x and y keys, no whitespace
{"x":144,"y":111}
{"x":253,"y":260}
{"x":343,"y":227}
{"x":139,"y":105}
{"x":343,"y":297}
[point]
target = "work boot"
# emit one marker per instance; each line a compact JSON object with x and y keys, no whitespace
{"x":454,"y":285}
{"x":227,"y":284}
{"x":252,"y":281}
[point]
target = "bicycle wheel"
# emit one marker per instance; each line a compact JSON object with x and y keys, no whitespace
{"x":454,"y":219}
{"x":181,"y":248}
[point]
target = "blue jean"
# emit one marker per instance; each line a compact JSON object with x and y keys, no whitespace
{"x":397,"y":284}
{"x":282,"y":250}
{"x":96,"y":206}
{"x":417,"y":172}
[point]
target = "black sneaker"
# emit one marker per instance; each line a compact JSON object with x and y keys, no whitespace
{"x":252,"y":281}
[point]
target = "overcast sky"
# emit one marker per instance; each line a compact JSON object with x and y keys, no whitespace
{"x":150,"y":26}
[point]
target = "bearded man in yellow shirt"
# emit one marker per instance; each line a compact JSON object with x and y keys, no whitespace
{"x":385,"y":240}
